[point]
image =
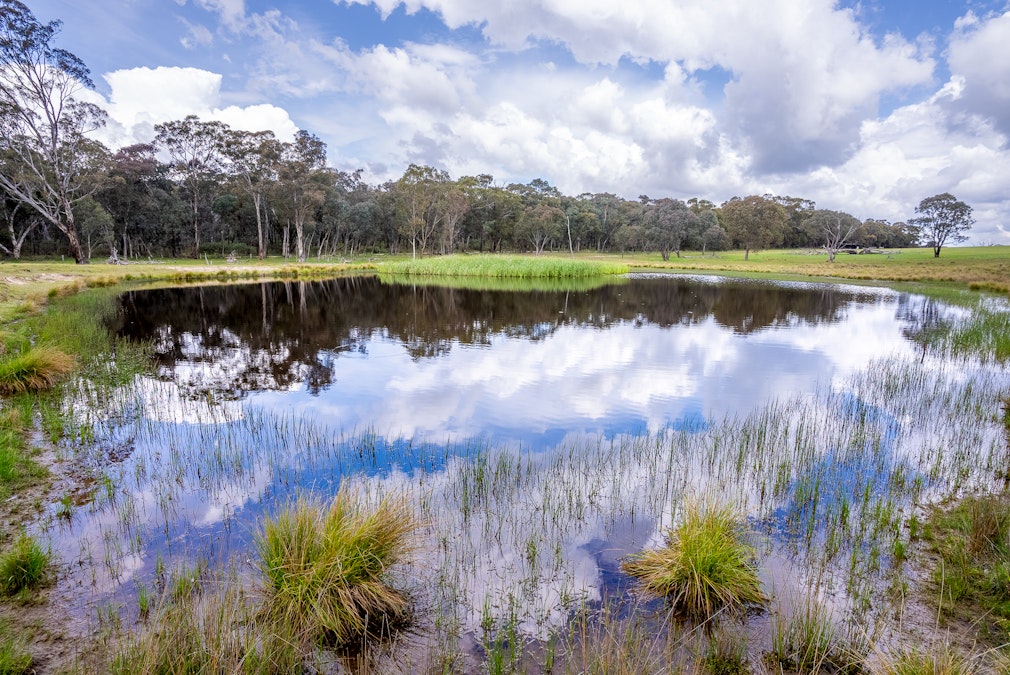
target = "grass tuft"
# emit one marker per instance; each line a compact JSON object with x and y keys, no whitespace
{"x":706,"y":565}
{"x":325,"y":567}
{"x":940,"y":660}
{"x":35,"y":369}
{"x":24,"y":566}
{"x":808,"y":641}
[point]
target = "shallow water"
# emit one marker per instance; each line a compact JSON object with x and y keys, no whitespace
{"x":542,"y":435}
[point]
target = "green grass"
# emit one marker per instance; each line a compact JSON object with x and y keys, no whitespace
{"x":706,"y":565}
{"x":972,"y":574}
{"x":325,"y":567}
{"x":511,"y":284}
{"x":503,"y":266}
{"x":212,"y":629}
{"x":939,"y":660}
{"x":808,"y":641}
{"x":34,"y":369}
{"x":24,"y":567}
{"x":15,"y":659}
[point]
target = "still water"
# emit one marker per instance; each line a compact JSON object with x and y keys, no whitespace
{"x":448,"y":365}
{"x":542,"y":435}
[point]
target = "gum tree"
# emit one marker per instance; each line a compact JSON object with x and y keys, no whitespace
{"x":46,"y":157}
{"x":942,"y":218}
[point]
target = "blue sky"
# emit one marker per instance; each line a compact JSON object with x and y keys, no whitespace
{"x":864,"y":106}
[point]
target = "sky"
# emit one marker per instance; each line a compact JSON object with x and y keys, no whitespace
{"x":866,"y":106}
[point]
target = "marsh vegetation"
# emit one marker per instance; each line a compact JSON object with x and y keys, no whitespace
{"x":831,"y":418}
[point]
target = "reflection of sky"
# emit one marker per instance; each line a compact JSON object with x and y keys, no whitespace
{"x":202,"y":471}
{"x":623,"y":378}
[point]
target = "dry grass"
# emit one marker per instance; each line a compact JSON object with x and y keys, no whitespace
{"x":34,"y":369}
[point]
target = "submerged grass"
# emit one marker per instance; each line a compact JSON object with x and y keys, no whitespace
{"x":503,"y":266}
{"x":707,"y":563}
{"x":325,"y":567}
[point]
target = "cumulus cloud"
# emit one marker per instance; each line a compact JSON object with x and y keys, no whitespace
{"x":143,"y":97}
{"x":979,"y":56}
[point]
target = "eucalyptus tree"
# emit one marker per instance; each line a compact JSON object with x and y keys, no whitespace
{"x":19,"y":223}
{"x":46,"y":156}
{"x":302,"y":182}
{"x":418,"y":195}
{"x":835,"y":228}
{"x":253,"y":159}
{"x":754,"y":222}
{"x":667,"y":223}
{"x":942,"y":218}
{"x":196,"y":156}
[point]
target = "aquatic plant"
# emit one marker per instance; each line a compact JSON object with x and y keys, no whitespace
{"x":34,"y":369}
{"x":806,"y":640}
{"x":24,"y":566}
{"x":707,"y":563}
{"x":325,"y":566}
{"x":514,"y":266}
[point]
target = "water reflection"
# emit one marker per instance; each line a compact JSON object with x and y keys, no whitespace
{"x":530,"y":367}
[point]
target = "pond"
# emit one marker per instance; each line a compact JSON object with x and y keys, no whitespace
{"x":542,"y":435}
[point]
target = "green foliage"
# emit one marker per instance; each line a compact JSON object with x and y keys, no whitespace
{"x":17,"y":468}
{"x":325,"y":566}
{"x":35,"y":369}
{"x":707,"y":563}
{"x":24,"y":566}
{"x":504,"y":266}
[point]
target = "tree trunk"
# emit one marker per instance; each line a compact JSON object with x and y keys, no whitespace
{"x":300,"y":240}
{"x":70,"y":229}
{"x":261,"y":250}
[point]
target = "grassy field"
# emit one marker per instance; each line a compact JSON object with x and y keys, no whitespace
{"x":978,"y":268}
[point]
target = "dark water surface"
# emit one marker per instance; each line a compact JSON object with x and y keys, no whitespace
{"x":533,"y":367}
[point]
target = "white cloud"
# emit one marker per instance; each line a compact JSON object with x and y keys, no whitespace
{"x":143,"y":97}
{"x":979,"y":54}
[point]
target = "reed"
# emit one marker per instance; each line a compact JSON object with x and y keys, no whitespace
{"x":326,"y":567}
{"x":503,"y":266}
{"x":706,"y":565}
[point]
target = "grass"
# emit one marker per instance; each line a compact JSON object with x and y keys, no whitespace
{"x":15,"y":659}
{"x":35,"y":369}
{"x":972,"y":574}
{"x":24,"y":567}
{"x":706,"y":565}
{"x":510,"y":284}
{"x":326,"y":567}
{"x":942,"y":659}
{"x":807,"y":640}
{"x":211,"y":630}
{"x":981,"y":268}
{"x":504,"y":266}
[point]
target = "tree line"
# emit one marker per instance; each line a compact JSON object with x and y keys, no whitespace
{"x":201,"y":187}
